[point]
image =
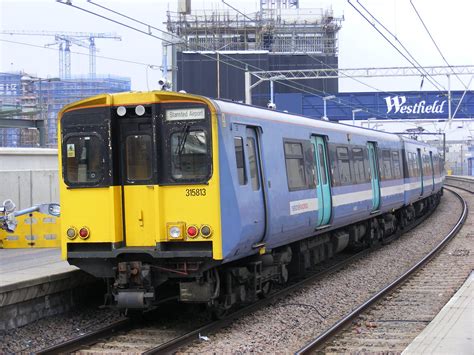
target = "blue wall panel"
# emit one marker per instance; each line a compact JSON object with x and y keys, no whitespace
{"x":400,"y":105}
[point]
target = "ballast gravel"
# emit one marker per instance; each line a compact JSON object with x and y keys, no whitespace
{"x":288,"y":324}
{"x":284,"y":326}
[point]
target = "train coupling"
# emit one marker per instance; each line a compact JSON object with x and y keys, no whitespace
{"x":132,"y":287}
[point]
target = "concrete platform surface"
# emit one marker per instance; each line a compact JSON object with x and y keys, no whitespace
{"x":30,"y":265}
{"x":452,"y":330}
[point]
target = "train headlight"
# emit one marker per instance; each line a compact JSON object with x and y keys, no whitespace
{"x":121,"y":111}
{"x":84,"y":233}
{"x":140,"y":110}
{"x":206,"y":231}
{"x":175,"y":231}
{"x":71,"y":233}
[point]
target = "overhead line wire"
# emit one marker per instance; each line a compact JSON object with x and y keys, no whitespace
{"x":299,"y":87}
{"x":80,"y":53}
{"x":436,"y":45}
{"x":404,"y":48}
{"x":319,"y":60}
{"x":390,"y":42}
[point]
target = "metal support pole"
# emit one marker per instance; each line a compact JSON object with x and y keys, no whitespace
{"x":218,"y":76}
{"x":248,"y":92}
{"x":174,"y":67}
{"x":324,"y":109}
{"x":271,"y":92}
{"x":449,"y":99}
{"x":42,"y":131}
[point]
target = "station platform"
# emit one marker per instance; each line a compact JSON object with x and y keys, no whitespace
{"x":30,"y":265}
{"x":35,"y":283}
{"x":452,"y":330}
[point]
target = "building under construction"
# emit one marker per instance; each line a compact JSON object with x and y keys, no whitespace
{"x":213,"y":48}
{"x":26,"y":97}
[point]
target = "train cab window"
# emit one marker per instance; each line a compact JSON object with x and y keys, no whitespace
{"x":295,"y":169}
{"x":397,"y":172}
{"x":252,"y":154}
{"x":358,"y":161}
{"x":343,"y":165}
{"x":386,"y":165}
{"x":138,"y":157}
{"x":84,"y":160}
{"x":189,"y":157}
{"x":240,"y":160}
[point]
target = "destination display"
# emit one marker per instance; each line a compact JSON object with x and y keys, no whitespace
{"x":185,"y":114}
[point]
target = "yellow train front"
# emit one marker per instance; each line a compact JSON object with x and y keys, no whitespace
{"x":140,"y":193}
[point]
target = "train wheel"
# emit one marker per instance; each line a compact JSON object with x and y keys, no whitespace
{"x":218,"y":312}
{"x":266,"y":289}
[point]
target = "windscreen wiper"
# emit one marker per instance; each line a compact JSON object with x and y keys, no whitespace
{"x":184,"y":133}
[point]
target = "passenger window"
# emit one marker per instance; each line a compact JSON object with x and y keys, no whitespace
{"x":359,"y":170}
{"x":189,"y":159}
{"x":240,"y":160}
{"x":396,"y":165}
{"x":343,"y":165}
{"x":253,"y":163}
{"x":138,"y":157}
{"x":84,"y":159}
{"x":387,"y":164}
{"x":322,"y":164}
{"x":295,"y":170}
{"x":311,"y":166}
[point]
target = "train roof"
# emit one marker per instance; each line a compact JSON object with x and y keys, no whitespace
{"x":235,"y":108}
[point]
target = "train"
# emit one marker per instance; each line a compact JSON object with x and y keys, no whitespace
{"x":169,"y":195}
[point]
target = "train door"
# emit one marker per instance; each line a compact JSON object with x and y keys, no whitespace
{"x":323,"y":187}
{"x":137,"y":156}
{"x":432,"y":172}
{"x":375,"y":177}
{"x":250,"y":199}
{"x":420,"y":168}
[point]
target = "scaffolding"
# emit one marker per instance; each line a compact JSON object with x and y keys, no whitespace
{"x":276,"y":30}
{"x":43,"y":99}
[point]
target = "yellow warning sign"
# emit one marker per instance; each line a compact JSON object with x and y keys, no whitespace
{"x":71,"y":151}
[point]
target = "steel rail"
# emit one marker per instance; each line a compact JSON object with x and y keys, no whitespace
{"x":87,"y":339}
{"x":186,"y":339}
{"x":173,"y":345}
{"x":339,"y":325}
{"x":451,"y":181}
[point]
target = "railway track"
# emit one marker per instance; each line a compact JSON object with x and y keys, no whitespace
{"x":131,"y":337}
{"x":460,"y":182}
{"x":343,"y":336}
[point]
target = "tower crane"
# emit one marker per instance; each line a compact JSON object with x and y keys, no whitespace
{"x":64,"y":40}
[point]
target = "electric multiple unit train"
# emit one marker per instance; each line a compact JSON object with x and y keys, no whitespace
{"x":174,"y":195}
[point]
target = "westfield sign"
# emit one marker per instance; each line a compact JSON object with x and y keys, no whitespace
{"x":397,"y":104}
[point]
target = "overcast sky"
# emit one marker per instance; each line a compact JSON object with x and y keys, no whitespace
{"x":360,"y":45}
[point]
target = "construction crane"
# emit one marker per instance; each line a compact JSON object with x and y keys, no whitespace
{"x":64,"y":40}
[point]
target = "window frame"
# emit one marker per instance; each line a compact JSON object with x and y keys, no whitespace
{"x":164,"y":131}
{"x":308,"y":163}
{"x":244,"y":168}
{"x":126,"y":166}
{"x":339,"y":165}
{"x":103,"y":157}
{"x":359,"y":160}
